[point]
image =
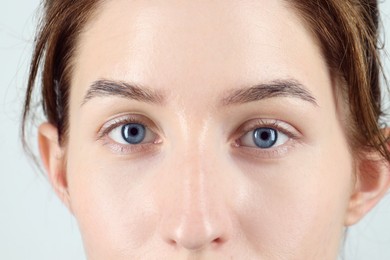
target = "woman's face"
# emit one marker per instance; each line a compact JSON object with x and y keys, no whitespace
{"x":205,"y":130}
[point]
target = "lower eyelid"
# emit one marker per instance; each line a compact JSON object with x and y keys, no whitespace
{"x":131,"y":149}
{"x":271,"y":153}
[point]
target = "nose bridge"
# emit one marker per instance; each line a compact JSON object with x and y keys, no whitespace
{"x":196,"y":215}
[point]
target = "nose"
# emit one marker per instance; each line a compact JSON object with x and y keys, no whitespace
{"x":195,"y":213}
{"x":195,"y":232}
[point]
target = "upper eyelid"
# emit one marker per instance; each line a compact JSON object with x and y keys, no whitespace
{"x":271,"y":123}
{"x":118,"y":121}
{"x":262,"y":123}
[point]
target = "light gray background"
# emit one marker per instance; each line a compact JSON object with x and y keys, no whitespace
{"x":33,"y":223}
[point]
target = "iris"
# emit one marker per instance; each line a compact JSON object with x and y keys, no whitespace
{"x":133,"y":133}
{"x":265,"y":137}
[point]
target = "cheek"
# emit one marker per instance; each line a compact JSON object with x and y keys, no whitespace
{"x":300,"y":203}
{"x":112,"y":204}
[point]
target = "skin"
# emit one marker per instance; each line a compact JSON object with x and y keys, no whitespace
{"x":198,"y":188}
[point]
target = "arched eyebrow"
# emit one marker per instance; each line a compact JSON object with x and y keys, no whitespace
{"x":277,"y":88}
{"x":104,"y":87}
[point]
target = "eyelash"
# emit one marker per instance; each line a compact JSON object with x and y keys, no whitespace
{"x":118,"y":122}
{"x":247,"y":127}
{"x":271,"y":123}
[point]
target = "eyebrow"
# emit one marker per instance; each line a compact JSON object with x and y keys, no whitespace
{"x":104,"y":88}
{"x":277,"y":88}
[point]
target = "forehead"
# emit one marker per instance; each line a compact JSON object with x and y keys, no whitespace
{"x":193,"y":45}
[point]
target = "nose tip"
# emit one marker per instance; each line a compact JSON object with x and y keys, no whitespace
{"x":196,"y":236}
{"x":198,"y":224}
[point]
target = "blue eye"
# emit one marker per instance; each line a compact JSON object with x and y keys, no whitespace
{"x":133,"y":133}
{"x":265,"y":137}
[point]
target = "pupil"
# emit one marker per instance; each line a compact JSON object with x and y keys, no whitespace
{"x":133,"y":131}
{"x":264,"y":135}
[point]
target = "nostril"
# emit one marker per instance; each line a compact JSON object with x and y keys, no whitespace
{"x":195,"y":243}
{"x":195,"y":235}
{"x":217,"y":242}
{"x":172,"y":242}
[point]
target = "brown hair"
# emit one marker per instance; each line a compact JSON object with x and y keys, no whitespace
{"x":347,"y":32}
